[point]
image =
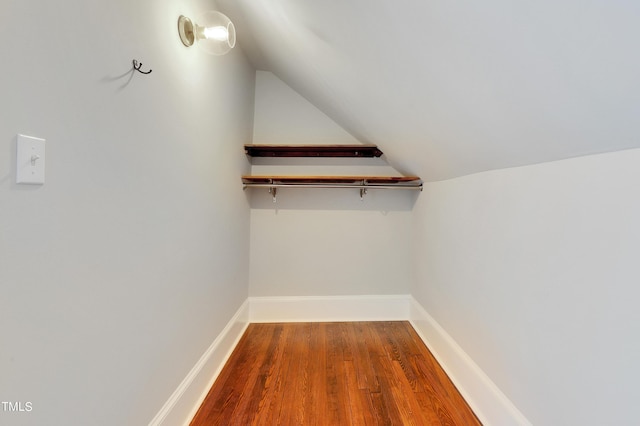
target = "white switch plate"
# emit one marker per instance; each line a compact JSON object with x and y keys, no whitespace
{"x":30,"y":164}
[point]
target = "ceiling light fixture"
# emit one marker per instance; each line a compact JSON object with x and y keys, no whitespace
{"x":214,"y":32}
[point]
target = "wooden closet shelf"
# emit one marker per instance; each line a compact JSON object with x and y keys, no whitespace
{"x":359,"y":181}
{"x":363,"y":183}
{"x":353,"y":150}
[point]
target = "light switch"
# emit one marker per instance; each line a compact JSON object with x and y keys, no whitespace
{"x":30,"y":167}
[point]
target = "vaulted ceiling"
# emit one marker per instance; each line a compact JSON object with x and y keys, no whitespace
{"x":449,"y":88}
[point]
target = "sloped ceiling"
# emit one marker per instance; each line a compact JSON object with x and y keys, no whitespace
{"x":449,"y":88}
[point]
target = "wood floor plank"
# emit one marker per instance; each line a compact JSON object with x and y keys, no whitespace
{"x":359,"y":337}
{"x":336,"y":383}
{"x":380,"y":410}
{"x":268,"y":404}
{"x":298,"y":380}
{"x":400,"y":349}
{"x":317,"y":400}
{"x":360,"y":373}
{"x":390,"y":411}
{"x":360,"y":405}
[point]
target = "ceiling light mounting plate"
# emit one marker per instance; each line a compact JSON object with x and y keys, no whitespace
{"x":186,"y":30}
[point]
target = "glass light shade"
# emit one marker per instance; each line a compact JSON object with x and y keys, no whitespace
{"x":213,"y":32}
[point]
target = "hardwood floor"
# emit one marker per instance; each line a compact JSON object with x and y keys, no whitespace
{"x":347,"y":373}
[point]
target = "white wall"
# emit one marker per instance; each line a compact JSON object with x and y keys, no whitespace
{"x":322,"y":242}
{"x":284,"y":117}
{"x":534,"y":271}
{"x":119,"y":272}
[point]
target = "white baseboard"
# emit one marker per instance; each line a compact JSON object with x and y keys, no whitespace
{"x":490,"y":405}
{"x":185,"y":401}
{"x":487,"y":401}
{"x":329,"y":308}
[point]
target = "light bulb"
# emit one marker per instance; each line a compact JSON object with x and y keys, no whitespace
{"x":213,"y":32}
{"x":216,"y":33}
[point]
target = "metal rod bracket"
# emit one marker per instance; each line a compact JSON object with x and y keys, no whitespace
{"x":363,"y":192}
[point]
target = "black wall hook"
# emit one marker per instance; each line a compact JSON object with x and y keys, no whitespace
{"x":137,"y":66}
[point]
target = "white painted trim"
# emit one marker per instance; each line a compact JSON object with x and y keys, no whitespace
{"x":186,"y":399}
{"x":329,"y":308}
{"x":487,"y":401}
{"x":490,"y":405}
